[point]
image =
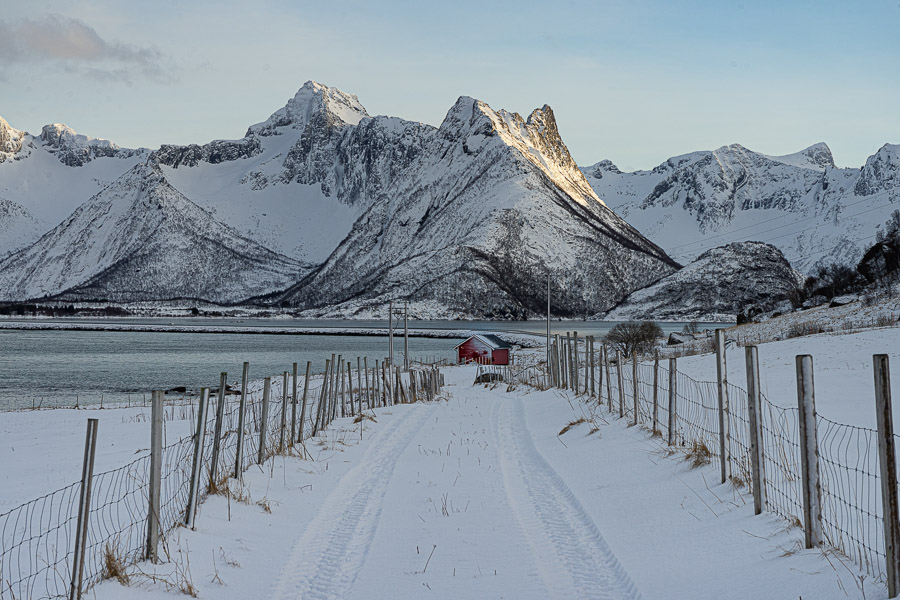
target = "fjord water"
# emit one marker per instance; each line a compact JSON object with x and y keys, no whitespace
{"x":64,"y":367}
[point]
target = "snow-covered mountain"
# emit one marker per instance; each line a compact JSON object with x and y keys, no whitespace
{"x":484,"y":208}
{"x":44,"y":178}
{"x":810,"y":209}
{"x":141,"y":239}
{"x":718,"y":285}
{"x":468,"y":218}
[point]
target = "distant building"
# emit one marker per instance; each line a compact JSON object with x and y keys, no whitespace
{"x":485,"y":349}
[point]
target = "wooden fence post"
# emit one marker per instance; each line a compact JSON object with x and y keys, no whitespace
{"x":264,"y":421}
{"x":599,"y":370}
{"x":335,"y":367}
{"x":755,"y":418}
{"x":620,"y":379}
{"x":552,"y":365}
{"x":350,"y":387}
{"x":284,"y":405}
{"x":592,"y":364}
{"x":217,"y":439}
{"x":293,"y":405}
{"x":888,"y":462}
{"x":609,"y":396}
{"x":673,"y":399}
{"x":635,"y":386}
{"x":368,"y":390}
{"x":809,"y":452}
{"x":724,"y":421}
{"x":242,"y":409}
{"x":655,"y":418}
{"x":190,"y":510}
{"x":303,"y":404}
{"x":317,"y":423}
{"x":84,"y":509}
{"x":359,"y":383}
{"x":156,"y":425}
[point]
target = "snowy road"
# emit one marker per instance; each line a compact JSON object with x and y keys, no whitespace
{"x":360,"y":544}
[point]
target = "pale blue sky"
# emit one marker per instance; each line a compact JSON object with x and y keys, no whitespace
{"x":635,"y":82}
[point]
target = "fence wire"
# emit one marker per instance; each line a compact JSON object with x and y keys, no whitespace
{"x":37,"y":538}
{"x":850,"y":479}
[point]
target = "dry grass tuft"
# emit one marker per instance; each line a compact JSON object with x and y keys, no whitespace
{"x":114,"y":564}
{"x":264,"y":504}
{"x":364,"y":417}
{"x":698,"y":455}
{"x":572,"y":424}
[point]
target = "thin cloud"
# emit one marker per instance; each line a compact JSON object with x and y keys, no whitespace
{"x":77,"y":47}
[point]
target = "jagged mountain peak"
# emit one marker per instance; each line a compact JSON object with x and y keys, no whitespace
{"x":59,"y":135}
{"x":338,"y":108}
{"x":10,"y":139}
{"x":536,"y":139}
{"x":881,"y":172}
{"x":818,"y":156}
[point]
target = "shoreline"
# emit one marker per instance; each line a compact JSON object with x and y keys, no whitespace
{"x":519,"y":337}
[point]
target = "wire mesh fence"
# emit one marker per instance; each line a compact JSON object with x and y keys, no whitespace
{"x":37,"y":539}
{"x":850,"y":480}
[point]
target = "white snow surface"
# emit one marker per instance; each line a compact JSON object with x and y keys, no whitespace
{"x":478,"y":496}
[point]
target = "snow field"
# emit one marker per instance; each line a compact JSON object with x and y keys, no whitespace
{"x":480,"y":496}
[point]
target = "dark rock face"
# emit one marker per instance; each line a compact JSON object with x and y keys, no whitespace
{"x":213,"y":152}
{"x":881,"y":261}
{"x":719,"y":284}
{"x":75,"y":150}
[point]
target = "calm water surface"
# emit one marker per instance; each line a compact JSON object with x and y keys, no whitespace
{"x":60,"y":368}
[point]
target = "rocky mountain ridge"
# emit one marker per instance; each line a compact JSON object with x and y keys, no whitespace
{"x":467,"y":218}
{"x":717,"y":286}
{"x":812,"y":210}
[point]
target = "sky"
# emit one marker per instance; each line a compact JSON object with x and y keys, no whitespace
{"x":635,"y":82}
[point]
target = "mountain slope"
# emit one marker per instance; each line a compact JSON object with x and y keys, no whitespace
{"x":810,"y":209}
{"x":718,"y":285}
{"x":44,"y":178}
{"x":140,"y":239}
{"x":488,"y":206}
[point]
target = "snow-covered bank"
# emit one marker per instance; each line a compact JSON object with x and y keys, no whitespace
{"x":844,"y":379}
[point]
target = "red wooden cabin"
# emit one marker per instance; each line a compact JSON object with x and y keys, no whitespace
{"x":485,"y":349}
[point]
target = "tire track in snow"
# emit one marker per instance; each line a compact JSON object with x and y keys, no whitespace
{"x":327,"y":559}
{"x":572,"y":557}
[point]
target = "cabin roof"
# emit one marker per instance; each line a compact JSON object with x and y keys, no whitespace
{"x":488,"y":339}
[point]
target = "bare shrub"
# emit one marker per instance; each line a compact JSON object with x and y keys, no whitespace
{"x":698,"y":455}
{"x":634,"y":336}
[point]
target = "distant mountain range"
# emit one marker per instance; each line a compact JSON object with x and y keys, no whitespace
{"x":813,"y":211}
{"x":324,"y":209}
